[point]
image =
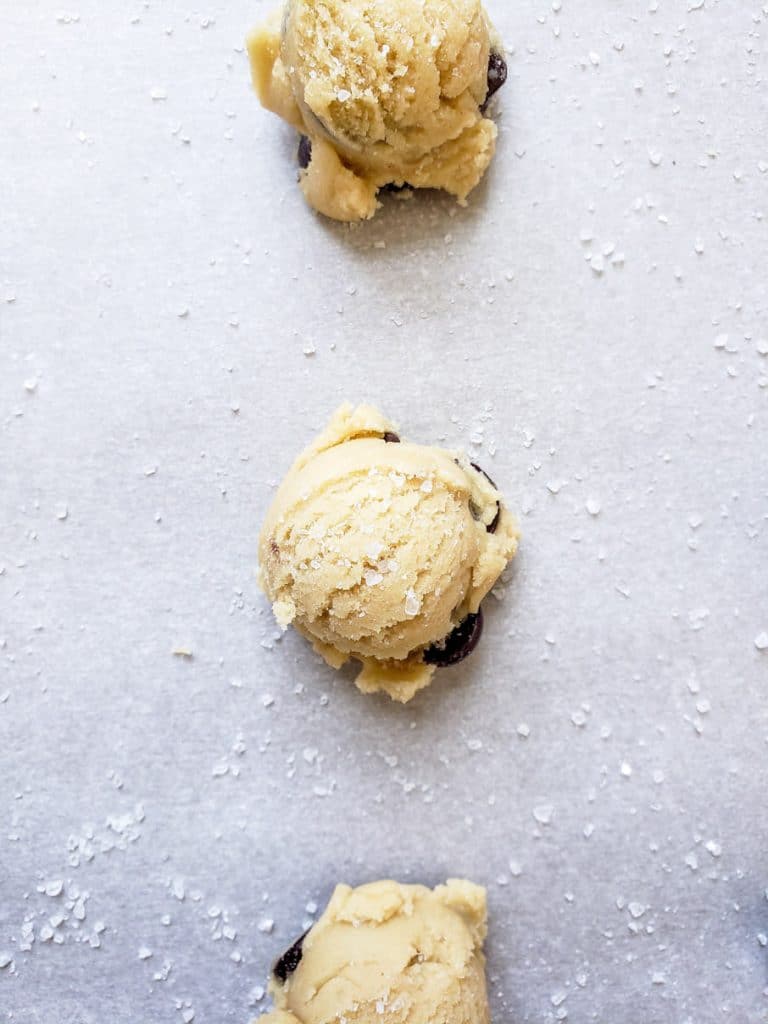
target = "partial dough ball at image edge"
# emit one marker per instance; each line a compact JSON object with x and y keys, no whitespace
{"x":387,"y":953}
{"x":382,"y":551}
{"x":384,"y":93}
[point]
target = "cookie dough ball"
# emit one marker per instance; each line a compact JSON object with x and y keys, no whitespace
{"x":384,"y":92}
{"x":383,"y":551}
{"x":388,"y":954}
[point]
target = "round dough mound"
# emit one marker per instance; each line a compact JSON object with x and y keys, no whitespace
{"x":391,"y":954}
{"x":391,"y":77}
{"x":378,"y":550}
{"x":388,"y":92}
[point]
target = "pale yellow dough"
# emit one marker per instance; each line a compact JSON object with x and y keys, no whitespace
{"x":388,"y":92}
{"x":391,"y":954}
{"x":376,"y":551}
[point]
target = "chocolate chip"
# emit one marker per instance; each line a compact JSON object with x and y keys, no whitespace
{"x":493,"y":526}
{"x":392,"y":187}
{"x":391,"y":438}
{"x":458,"y":645}
{"x":305,"y":152}
{"x":497,"y":76}
{"x":290,"y":960}
{"x":479,"y":469}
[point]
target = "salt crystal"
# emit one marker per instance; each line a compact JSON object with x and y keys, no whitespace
{"x":655,"y":157}
{"x":412,"y":603}
{"x":761,"y":641}
{"x":626,"y":769}
{"x":266,"y":926}
{"x":636,"y":910}
{"x":543,"y":813}
{"x":593,"y":506}
{"x":256,"y":995}
{"x":5,"y":960}
{"x":144,"y":953}
{"x":714,"y":848}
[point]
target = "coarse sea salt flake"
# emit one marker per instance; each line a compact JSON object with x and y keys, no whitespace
{"x":412,"y":603}
{"x":543,"y":813}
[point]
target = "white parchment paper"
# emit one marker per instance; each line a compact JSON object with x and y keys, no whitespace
{"x":175,"y":325}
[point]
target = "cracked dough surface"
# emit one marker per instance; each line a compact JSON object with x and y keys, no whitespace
{"x":376,"y":550}
{"x":391,"y":954}
{"x":388,"y":92}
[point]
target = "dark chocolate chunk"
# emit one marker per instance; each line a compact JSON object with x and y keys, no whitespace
{"x":479,"y":469}
{"x":497,"y":76}
{"x":391,"y":438}
{"x":290,"y":960}
{"x":458,"y":645}
{"x":305,"y":152}
{"x":493,"y":526}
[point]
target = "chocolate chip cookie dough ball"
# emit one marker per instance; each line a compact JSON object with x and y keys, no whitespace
{"x":388,"y":954}
{"x":383,"y":92}
{"x":382,"y":551}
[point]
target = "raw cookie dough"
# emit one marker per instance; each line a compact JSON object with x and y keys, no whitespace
{"x":383,"y":92}
{"x":388,"y":954}
{"x":383,"y":551}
